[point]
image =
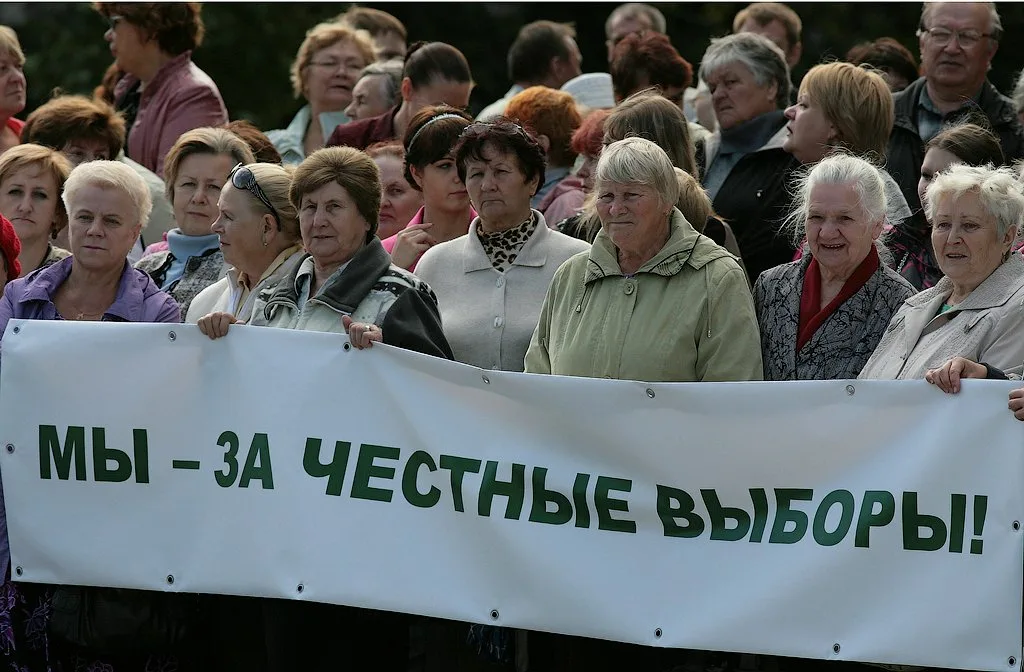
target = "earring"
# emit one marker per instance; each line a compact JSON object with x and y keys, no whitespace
{"x":264,"y":241}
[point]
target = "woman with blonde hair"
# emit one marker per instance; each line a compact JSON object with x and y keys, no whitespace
{"x":32,"y":178}
{"x":12,"y":86}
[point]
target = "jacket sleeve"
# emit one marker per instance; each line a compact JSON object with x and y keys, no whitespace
{"x":170,"y":312}
{"x":729,"y":344}
{"x":195,"y":108}
{"x":537,"y":358}
{"x":1006,"y":351}
{"x":414,"y":323}
{"x":6,"y":312}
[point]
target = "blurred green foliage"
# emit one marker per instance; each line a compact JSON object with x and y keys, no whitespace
{"x":249,"y":46}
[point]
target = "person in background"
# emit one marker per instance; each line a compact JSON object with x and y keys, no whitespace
{"x":1018,"y":95}
{"x":544,"y":53}
{"x":163,"y":93}
{"x":591,"y":91}
{"x":85,"y":129}
{"x":911,"y":242}
{"x":430,"y":167}
{"x":434,"y":73}
{"x":553,"y":117}
{"x":12,"y":88}
{"x":378,"y":89}
{"x":262,"y":148}
{"x":632,"y":17}
{"x":776,"y":21}
{"x":565,"y":201}
{"x":196,"y":169}
{"x":822,"y":316}
{"x":32,"y":178}
{"x":399,"y":200}
{"x":958,"y":42}
{"x":258,"y":228}
{"x":891,"y":58}
{"x":10,"y":250}
{"x":324,"y":73}
{"x":743,"y":166}
{"x":105,"y":89}
{"x":388,"y":33}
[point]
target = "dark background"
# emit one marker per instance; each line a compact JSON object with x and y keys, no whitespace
{"x":249,"y":46}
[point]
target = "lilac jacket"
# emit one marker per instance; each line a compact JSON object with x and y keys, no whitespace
{"x":31,"y":298}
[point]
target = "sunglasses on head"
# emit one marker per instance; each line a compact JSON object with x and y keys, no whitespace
{"x":242,"y":178}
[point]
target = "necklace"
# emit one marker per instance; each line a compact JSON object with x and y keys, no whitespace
{"x":82,"y":315}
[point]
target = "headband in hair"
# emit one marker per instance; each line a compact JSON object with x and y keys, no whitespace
{"x":428,"y":122}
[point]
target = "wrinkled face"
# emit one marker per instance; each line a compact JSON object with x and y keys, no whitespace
{"x":332,"y":228}
{"x":441,"y":92}
{"x":85,"y":150}
{"x":442,"y":189}
{"x":737,"y":97}
{"x":387,"y":46}
{"x":127,"y":45}
{"x":497,"y":185}
{"x":399,"y":202}
{"x":935,"y":161}
{"x":633,"y":215}
{"x":104,"y":225}
{"x":12,"y":86}
{"x":588,"y":171}
{"x":331,"y":75}
{"x":242,"y":225}
{"x":955,"y":64}
{"x":809,"y":132}
{"x":966,"y":239}
{"x":839,"y":232}
{"x":196,"y":190}
{"x":369,"y":98}
{"x":28,"y":197}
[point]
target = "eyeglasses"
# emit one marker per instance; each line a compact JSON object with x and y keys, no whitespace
{"x":334,"y":65}
{"x":242,"y":178}
{"x":943,"y":36}
{"x":112,"y":21}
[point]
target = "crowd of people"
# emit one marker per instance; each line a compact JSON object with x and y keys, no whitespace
{"x":627,"y":223}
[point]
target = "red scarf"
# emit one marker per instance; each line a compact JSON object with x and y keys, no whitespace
{"x":811,"y":318}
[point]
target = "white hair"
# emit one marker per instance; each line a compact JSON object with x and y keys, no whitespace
{"x":760,"y":55}
{"x":998,"y":189}
{"x":995,"y":24}
{"x":110,"y":175}
{"x":638,"y":161}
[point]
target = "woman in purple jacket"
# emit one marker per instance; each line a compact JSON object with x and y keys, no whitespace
{"x":107,"y":205}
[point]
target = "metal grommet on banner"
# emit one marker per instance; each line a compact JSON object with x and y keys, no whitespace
{"x":494,"y":614}
{"x":835,"y":647}
{"x":16,"y":330}
{"x":1012,"y":661}
{"x":300,"y":588}
{"x":850,"y":389}
{"x":650,"y":393}
{"x":170,"y":579}
{"x":18,"y":570}
{"x":1016,"y":525}
{"x":346,"y":347}
{"x":657,"y":633}
{"x":172,"y":336}
{"x":487,"y":381}
{"x":10,"y":447}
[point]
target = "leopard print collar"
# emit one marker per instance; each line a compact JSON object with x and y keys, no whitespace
{"x":502,"y":247}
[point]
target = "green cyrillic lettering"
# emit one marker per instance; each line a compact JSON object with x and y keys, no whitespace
{"x":913,"y":521}
{"x":760,"y":499}
{"x":605,"y":504}
{"x":366,"y":469}
{"x":257,"y":464}
{"x":844,"y":498}
{"x":334,"y":470}
{"x":226,"y":477}
{"x":675,"y":504}
{"x":514,"y":490}
{"x":784,"y":515}
{"x":459,"y":467}
{"x":141,"y":444}
{"x":542,"y":496}
{"x":720,"y":515}
{"x":869,"y":518}
{"x":101,"y":456}
{"x":579,"y":500}
{"x":412,"y":494}
{"x":73,"y":450}
{"x":957,"y":520}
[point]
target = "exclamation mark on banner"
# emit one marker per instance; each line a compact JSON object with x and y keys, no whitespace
{"x":980,"y":509}
{"x":957,"y":520}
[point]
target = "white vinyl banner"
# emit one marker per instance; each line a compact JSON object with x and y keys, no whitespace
{"x":836,"y":520}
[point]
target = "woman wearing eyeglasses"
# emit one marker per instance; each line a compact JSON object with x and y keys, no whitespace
{"x":258,"y":228}
{"x":325,"y":73}
{"x":197,"y":168}
{"x":164,"y":94}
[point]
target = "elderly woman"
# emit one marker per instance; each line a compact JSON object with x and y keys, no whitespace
{"x":12,"y":88}
{"x":31,"y":180}
{"x":910,"y":241}
{"x":258,"y":229}
{"x":377,"y":90}
{"x":973,"y":312}
{"x":822,"y":316}
{"x":652,"y":300}
{"x":507,"y":259}
{"x":399,"y":200}
{"x":430,"y":168}
{"x":197,"y":169}
{"x":163,"y":93}
{"x":553,"y":117}
{"x":324,"y":72}
{"x":107,"y":203}
{"x":742,"y":165}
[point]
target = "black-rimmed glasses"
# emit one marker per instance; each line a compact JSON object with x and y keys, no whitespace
{"x":242,"y":178}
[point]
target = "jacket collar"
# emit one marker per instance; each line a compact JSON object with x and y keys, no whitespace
{"x":127,"y":305}
{"x":534,"y":252}
{"x":995,"y":291}
{"x":714,"y":141}
{"x":295,"y":132}
{"x":992,"y":103}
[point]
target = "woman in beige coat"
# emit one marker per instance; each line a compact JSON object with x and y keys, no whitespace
{"x":976,"y":312}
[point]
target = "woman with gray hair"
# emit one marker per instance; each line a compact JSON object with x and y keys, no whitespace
{"x":742,"y":165}
{"x":377,"y":90}
{"x":652,"y":300}
{"x":822,"y":316}
{"x":974,"y":312}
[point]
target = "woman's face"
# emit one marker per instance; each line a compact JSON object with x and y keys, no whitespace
{"x":12,"y":87}
{"x":439,"y":92}
{"x":442,"y":189}
{"x":332,"y":228}
{"x":128,"y":45}
{"x":196,"y":190}
{"x":966,"y":240}
{"x":28,"y":197}
{"x":588,"y":171}
{"x":399,"y":202}
{"x":497,"y":186}
{"x":809,"y":134}
{"x":737,"y":97}
{"x":331,"y":75}
{"x":633,"y":215}
{"x":368,"y":99}
{"x":242,"y":226}
{"x":935,"y":161}
{"x":84,"y":150}
{"x":103,"y":225}
{"x":839,"y":232}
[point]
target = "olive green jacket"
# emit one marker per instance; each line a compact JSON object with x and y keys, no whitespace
{"x":685,"y":315}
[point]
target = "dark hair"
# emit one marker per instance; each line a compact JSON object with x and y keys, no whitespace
{"x":176,"y":26}
{"x":429,"y":61}
{"x":647,"y":59}
{"x":973,"y":144}
{"x":105,"y":90}
{"x":374,"y":21}
{"x":430,"y":137}
{"x":885,"y":53}
{"x":529,"y":57}
{"x":262,"y":148}
{"x":66,"y":118}
{"x":504,"y":135}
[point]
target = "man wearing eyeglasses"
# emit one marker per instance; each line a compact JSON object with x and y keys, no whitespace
{"x":958,"y":41}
